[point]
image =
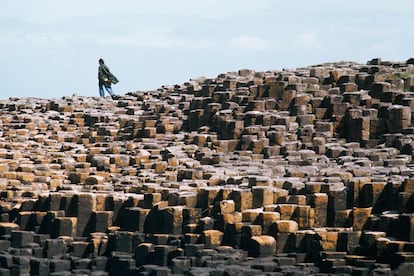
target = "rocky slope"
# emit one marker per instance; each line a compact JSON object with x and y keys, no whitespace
{"x":291,"y":171}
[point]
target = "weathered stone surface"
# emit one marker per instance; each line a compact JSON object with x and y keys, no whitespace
{"x":211,"y":238}
{"x":261,"y":246}
{"x":286,"y":226}
{"x":307,"y":170}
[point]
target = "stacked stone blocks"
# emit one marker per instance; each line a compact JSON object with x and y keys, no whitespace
{"x":300,"y":171}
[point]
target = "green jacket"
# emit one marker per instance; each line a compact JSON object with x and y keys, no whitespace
{"x":105,"y":76}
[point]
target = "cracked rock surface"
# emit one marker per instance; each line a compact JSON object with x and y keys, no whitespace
{"x":283,"y":172}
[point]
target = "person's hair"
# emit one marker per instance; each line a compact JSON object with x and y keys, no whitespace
{"x":101,"y":61}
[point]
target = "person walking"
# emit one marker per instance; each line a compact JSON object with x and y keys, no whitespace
{"x":106,"y":78}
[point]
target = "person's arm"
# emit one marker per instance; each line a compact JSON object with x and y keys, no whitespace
{"x":109,"y":74}
{"x":105,"y":69}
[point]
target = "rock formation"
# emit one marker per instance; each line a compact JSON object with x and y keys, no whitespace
{"x":305,"y":171}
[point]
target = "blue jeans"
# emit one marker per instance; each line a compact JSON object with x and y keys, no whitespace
{"x":107,"y":87}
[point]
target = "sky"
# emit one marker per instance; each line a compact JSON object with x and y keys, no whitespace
{"x":50,"y":48}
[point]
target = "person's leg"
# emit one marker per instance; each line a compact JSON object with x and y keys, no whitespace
{"x":101,"y":91}
{"x":109,"y":89}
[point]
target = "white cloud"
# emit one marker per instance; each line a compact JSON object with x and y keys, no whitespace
{"x":37,"y":40}
{"x":382,"y":47}
{"x":148,"y":39}
{"x":53,"y":40}
{"x":248,"y":43}
{"x":151,"y":40}
{"x":11,"y":39}
{"x":308,"y":40}
{"x":47,"y":11}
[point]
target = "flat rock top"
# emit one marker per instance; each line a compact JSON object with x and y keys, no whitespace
{"x":319,"y":151}
{"x":193,"y":131}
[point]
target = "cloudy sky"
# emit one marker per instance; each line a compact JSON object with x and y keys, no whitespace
{"x":50,"y":48}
